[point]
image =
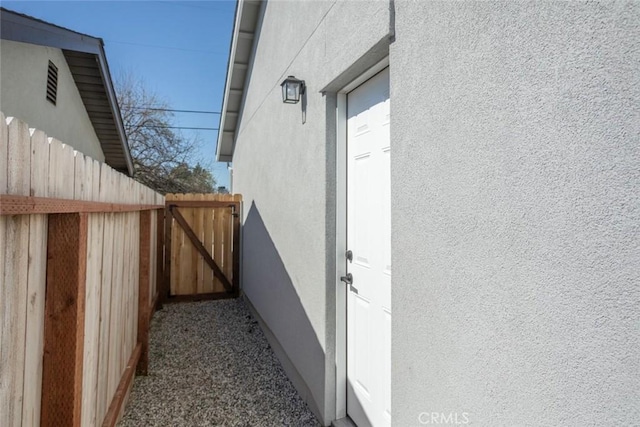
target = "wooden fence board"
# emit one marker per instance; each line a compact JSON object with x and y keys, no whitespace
{"x":198,"y":227}
{"x":115,"y":316}
{"x":97,"y":173}
{"x":64,"y":286}
{"x":105,"y":280}
{"x":4,"y":396}
{"x":227,"y":228}
{"x":36,"y":286}
{"x":121,"y":320}
{"x":190,"y":285}
{"x":186,"y":269}
{"x":176,"y":238}
{"x":80,"y":177}
{"x":132,"y":277}
{"x":209,"y":278}
{"x":135,"y":271}
{"x":197,"y":244}
{"x":19,"y":158}
{"x":212,"y":225}
{"x":92,"y":324}
{"x":227,"y":249}
{"x":4,"y":372}
{"x":235,"y":241}
{"x":13,"y":297}
{"x":61,"y":160}
{"x":135,"y":278}
{"x":133,"y":285}
{"x":13,"y":294}
{"x":103,"y":393}
{"x":93,"y":288}
{"x":126,"y":296}
{"x":4,"y":146}
{"x":217,"y":240}
{"x":176,"y":242}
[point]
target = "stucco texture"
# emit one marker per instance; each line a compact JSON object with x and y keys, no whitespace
{"x":285,"y":171}
{"x":23,"y":84}
{"x":516,"y":212}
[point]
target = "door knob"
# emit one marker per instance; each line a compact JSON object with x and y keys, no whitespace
{"x":348,"y":279}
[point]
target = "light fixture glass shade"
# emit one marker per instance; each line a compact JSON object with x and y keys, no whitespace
{"x":292,"y":89}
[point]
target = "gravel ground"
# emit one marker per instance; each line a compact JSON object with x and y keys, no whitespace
{"x":211,"y":365}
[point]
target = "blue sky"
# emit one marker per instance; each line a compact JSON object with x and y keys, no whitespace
{"x":179,"y":48}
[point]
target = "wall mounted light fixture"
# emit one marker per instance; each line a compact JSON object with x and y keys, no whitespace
{"x":292,"y":90}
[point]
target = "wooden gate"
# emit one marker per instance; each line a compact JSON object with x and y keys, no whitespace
{"x":202,"y":240}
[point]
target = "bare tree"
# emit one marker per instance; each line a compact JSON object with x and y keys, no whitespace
{"x":163,"y":159}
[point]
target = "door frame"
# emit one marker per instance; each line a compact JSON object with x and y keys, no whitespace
{"x":341,"y":234}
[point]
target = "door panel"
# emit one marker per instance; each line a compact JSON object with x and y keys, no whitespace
{"x":369,"y":237}
{"x":361,"y":209}
{"x":362,"y":345}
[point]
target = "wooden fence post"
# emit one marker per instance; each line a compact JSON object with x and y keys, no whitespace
{"x":236,"y":249}
{"x":64,"y":320}
{"x":144,"y":283}
{"x":160,"y":219}
{"x":166,"y":282}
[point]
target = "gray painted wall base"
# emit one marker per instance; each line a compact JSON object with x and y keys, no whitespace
{"x":343,"y":422}
{"x":291,"y":371}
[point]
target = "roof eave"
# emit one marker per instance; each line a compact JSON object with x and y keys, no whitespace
{"x":244,"y":29}
{"x":115,"y":108}
{"x":46,"y":34}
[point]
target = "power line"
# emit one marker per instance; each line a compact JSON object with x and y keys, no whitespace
{"x":178,"y":127}
{"x":171,"y":3}
{"x":155,"y":46}
{"x":176,"y":111}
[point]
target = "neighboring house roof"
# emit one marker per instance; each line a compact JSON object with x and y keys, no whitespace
{"x":88,"y":64}
{"x":244,"y":28}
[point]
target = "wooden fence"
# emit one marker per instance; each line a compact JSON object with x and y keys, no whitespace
{"x":78,"y":269}
{"x":213,"y":221}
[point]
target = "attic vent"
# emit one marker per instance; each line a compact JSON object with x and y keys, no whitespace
{"x":52,"y":83}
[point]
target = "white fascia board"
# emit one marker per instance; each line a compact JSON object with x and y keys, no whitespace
{"x":220,"y":156}
{"x":45,"y":34}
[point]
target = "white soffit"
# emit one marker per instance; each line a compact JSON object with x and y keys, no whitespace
{"x":244,"y":27}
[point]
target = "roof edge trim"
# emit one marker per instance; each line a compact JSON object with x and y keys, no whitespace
{"x":224,"y":153}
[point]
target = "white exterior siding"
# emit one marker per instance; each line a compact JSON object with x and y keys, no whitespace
{"x":23,"y":84}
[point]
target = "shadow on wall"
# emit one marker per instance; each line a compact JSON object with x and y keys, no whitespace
{"x":270,"y":290}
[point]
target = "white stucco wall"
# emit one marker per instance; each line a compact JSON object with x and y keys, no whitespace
{"x":23,"y":83}
{"x":516,"y":220}
{"x":516,"y":213}
{"x":280,"y":169}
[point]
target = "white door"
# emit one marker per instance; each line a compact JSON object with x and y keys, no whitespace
{"x":369,"y":240}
